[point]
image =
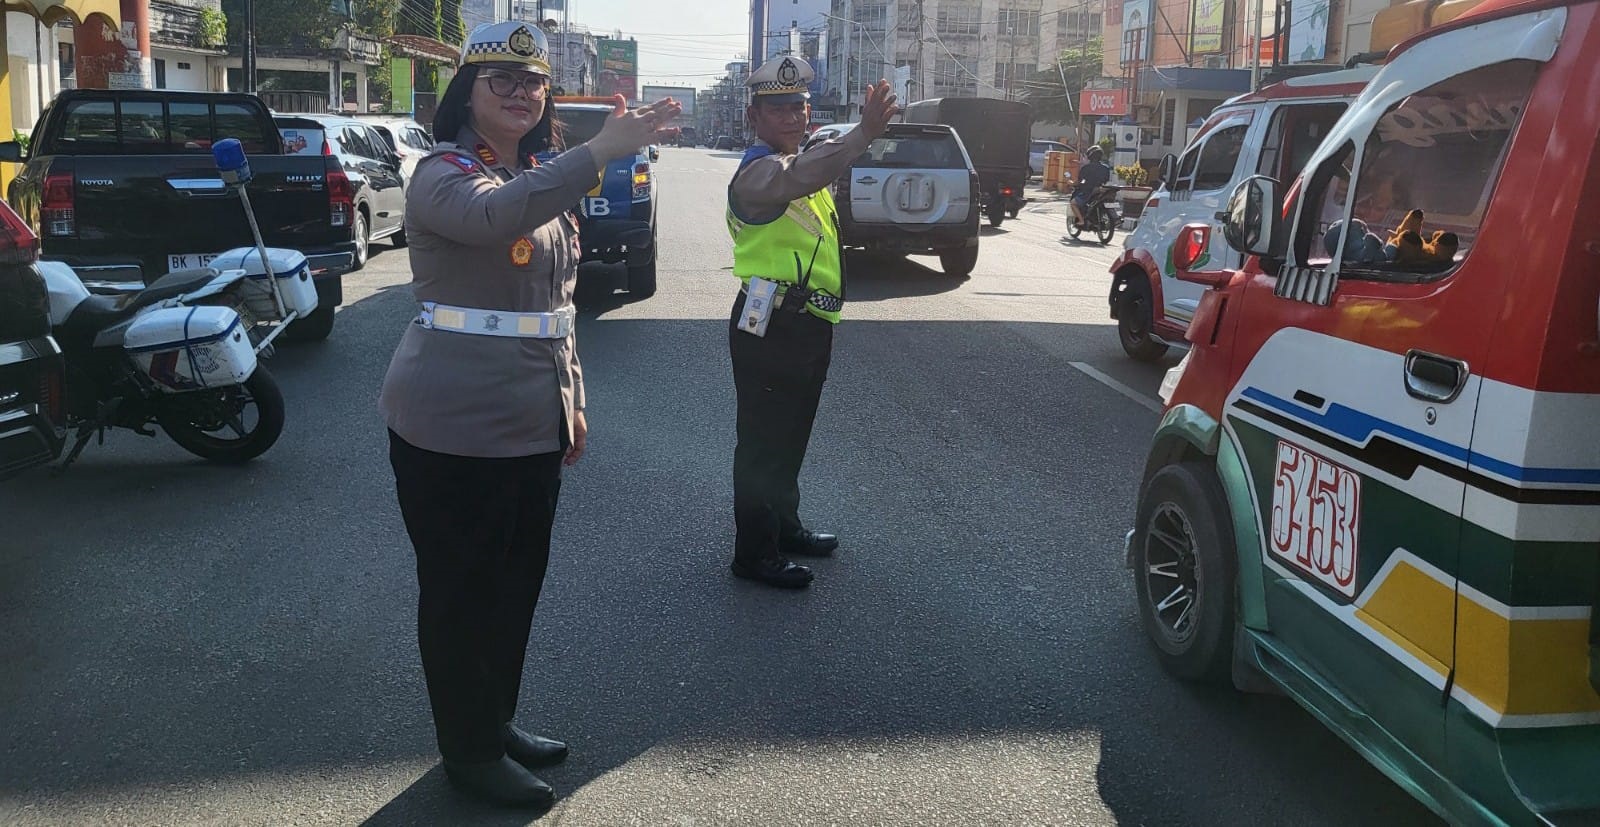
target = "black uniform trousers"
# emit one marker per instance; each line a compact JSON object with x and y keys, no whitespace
{"x":481,"y":530}
{"x":778,"y":379}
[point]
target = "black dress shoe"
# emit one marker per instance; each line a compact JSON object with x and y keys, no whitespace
{"x":501,"y":781}
{"x":774,"y":571}
{"x":533,"y":750}
{"x":809,"y":544}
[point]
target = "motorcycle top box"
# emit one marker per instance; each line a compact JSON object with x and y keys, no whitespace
{"x":191,"y":348}
{"x":290,"y":269}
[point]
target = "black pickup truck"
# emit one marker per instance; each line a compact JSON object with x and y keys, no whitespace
{"x":121,"y":185}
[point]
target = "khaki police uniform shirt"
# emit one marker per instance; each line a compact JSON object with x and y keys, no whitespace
{"x":483,"y":235}
{"x":764,"y":188}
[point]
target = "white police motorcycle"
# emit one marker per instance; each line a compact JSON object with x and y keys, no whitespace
{"x":183,"y":352}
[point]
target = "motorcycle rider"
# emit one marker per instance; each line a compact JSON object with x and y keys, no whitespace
{"x":1093,"y":175}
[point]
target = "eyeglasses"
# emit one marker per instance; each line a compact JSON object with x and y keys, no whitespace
{"x":505,"y":84}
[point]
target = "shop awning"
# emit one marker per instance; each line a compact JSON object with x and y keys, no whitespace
{"x":51,"y":12}
{"x":424,"y":48}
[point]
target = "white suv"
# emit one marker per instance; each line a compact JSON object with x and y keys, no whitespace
{"x":1270,"y":132}
{"x":913,"y":191}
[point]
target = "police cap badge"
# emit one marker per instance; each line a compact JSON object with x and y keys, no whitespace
{"x":510,"y":41}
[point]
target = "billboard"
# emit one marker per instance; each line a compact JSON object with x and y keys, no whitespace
{"x":1205,"y":34}
{"x":1136,"y":30}
{"x":1103,"y":102}
{"x":1308,"y":33}
{"x":684,"y":94}
{"x":619,"y":68}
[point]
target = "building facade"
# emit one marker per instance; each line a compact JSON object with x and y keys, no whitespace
{"x":950,"y":48}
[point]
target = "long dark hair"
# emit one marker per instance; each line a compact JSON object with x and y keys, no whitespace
{"x":452,"y":115}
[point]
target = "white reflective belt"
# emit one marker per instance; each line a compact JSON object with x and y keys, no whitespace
{"x":554,"y":325}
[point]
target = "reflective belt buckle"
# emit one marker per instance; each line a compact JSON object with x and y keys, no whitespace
{"x":556,"y":324}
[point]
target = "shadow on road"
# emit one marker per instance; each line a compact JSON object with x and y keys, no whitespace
{"x":179,"y":628}
{"x":880,"y":278}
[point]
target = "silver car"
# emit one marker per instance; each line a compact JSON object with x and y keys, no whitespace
{"x":1036,"y":155}
{"x":408,"y":139}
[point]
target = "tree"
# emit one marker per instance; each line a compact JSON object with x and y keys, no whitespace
{"x":438,"y":19}
{"x":308,"y":24}
{"x":1055,"y":102}
{"x":311,"y":24}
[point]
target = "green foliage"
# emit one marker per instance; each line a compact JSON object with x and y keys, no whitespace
{"x":1054,"y":102}
{"x":452,"y":29}
{"x":377,"y":17}
{"x":380,"y":84}
{"x":311,"y":24}
{"x":1107,"y":145}
{"x":424,"y":17}
{"x":21,"y":138}
{"x":213,"y":28}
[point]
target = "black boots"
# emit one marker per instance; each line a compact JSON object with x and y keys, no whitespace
{"x":533,"y":751}
{"x":501,"y":781}
{"x":808,"y":544}
{"x":774,"y":571}
{"x":506,"y":780}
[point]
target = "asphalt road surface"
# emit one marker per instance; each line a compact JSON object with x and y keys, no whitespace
{"x":187,"y":644}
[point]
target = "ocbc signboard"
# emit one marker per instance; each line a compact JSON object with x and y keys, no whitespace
{"x":1103,"y":102}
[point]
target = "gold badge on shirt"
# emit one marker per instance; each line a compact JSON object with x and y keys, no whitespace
{"x":486,"y":155}
{"x":522,"y":252}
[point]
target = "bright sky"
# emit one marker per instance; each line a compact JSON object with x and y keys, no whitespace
{"x":681,"y":42}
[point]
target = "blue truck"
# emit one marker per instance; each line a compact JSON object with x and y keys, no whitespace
{"x":617,"y":219}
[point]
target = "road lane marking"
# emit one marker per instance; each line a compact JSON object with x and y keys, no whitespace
{"x":1149,"y":402}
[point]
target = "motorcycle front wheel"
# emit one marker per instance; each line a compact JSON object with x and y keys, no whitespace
{"x":228,"y":425}
{"x":1108,"y":226}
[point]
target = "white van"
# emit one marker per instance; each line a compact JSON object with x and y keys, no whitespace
{"x":1270,"y":132}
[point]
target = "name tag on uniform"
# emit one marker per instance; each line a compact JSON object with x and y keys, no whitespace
{"x":758,"y":300}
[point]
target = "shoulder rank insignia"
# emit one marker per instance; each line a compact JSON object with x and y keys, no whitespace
{"x":486,"y":155}
{"x":522,"y":252}
{"x":462,"y":161}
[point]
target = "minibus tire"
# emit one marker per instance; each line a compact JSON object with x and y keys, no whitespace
{"x":1136,"y":321}
{"x":1183,"y":542}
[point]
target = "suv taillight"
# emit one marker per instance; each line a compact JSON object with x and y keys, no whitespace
{"x":18,"y":244}
{"x":641,"y":181}
{"x":341,"y":196}
{"x":57,"y":216}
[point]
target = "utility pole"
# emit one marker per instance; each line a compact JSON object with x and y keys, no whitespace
{"x":248,"y":66}
{"x":922,"y":67}
{"x":1255,"y":48}
{"x":1010,"y":64}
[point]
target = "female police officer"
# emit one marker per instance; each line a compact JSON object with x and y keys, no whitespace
{"x":484,"y":397}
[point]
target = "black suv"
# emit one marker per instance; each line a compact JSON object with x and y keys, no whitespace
{"x":32,"y":413}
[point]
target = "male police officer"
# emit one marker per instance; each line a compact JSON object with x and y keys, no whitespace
{"x":786,"y":253}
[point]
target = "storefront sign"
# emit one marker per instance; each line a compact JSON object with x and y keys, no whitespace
{"x":1206,"y":32}
{"x":1103,"y":102}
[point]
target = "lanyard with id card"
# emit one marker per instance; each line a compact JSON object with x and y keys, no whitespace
{"x":758,"y":301}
